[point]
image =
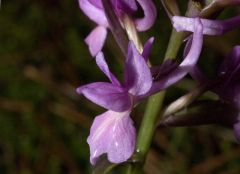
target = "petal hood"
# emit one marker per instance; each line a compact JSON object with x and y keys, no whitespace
{"x":138,"y":78}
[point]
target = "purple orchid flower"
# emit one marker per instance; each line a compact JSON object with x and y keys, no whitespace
{"x":210,"y":27}
{"x":95,"y":11}
{"x":113,"y":132}
{"x":227,"y":87}
{"x":229,"y":73}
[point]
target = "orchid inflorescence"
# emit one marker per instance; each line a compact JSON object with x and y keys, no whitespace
{"x":113,"y":132}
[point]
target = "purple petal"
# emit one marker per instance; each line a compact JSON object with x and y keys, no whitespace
{"x":150,"y":14}
{"x":164,"y":69}
{"x":95,"y":40}
{"x":236,"y":128}
{"x":187,"y":47}
{"x":107,"y":95}
{"x":131,"y":4}
{"x":96,"y":3}
{"x":231,"y":62}
{"x":147,"y":48}
{"x":195,"y":73}
{"x":104,"y":67}
{"x":229,"y":88}
{"x":210,"y":27}
{"x":198,"y":75}
{"x":138,"y":77}
{"x":188,"y":63}
{"x":93,"y":11}
{"x":112,"y":133}
{"x":126,"y":6}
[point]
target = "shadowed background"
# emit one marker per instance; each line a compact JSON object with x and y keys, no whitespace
{"x":44,"y":123}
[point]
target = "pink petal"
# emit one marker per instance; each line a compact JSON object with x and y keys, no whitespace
{"x":125,"y":6}
{"x":104,"y":67}
{"x":186,"y":66}
{"x":107,"y":95}
{"x":229,"y":74}
{"x":236,"y":128}
{"x":210,"y":27}
{"x":93,"y":12}
{"x":150,"y":14}
{"x":112,"y":133}
{"x":138,"y":78}
{"x":97,"y":3}
{"x":231,"y":62}
{"x":195,"y":73}
{"x":95,"y":40}
{"x":147,"y":48}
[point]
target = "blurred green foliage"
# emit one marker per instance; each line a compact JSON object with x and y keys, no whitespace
{"x":44,"y":123}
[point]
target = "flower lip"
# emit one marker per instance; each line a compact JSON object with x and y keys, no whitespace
{"x":114,"y":134}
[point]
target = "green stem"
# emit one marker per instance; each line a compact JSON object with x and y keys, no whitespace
{"x":174,"y":45}
{"x":154,"y":105}
{"x":148,"y":124}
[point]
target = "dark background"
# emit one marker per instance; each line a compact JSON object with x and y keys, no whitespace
{"x":44,"y":123}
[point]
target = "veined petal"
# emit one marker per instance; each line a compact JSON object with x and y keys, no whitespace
{"x":147,"y":48}
{"x":138,"y":78}
{"x":104,"y":67}
{"x":107,"y":95}
{"x":112,"y":133}
{"x":93,"y":12}
{"x":150,"y":14}
{"x":210,"y":27}
{"x":187,"y":65}
{"x":96,"y":39}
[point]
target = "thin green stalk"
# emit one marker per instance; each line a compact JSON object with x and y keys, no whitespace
{"x":148,"y":124}
{"x":174,"y":45}
{"x":153,"y":108}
